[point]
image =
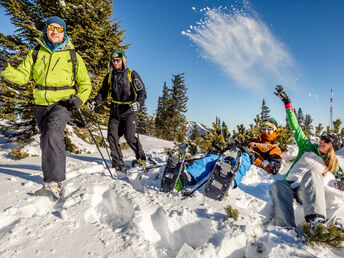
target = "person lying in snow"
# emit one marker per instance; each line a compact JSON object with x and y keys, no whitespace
{"x":305,"y":178}
{"x":263,"y":152}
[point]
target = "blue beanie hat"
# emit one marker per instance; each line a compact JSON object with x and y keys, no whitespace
{"x":57,"y":20}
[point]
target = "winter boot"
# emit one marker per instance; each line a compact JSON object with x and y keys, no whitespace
{"x":53,"y":190}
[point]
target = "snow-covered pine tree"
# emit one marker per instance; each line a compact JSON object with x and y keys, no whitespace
{"x":89,"y":25}
{"x":265,"y":111}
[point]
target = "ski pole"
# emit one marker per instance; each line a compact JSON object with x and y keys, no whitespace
{"x":89,"y":130}
{"x":101,"y":133}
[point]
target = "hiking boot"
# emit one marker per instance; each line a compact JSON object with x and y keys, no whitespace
{"x":52,"y":189}
{"x":138,"y":162}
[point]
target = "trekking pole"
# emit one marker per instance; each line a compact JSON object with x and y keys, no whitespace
{"x":89,"y":130}
{"x":101,"y":133}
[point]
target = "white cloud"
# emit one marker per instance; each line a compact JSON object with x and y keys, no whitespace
{"x":243,"y":47}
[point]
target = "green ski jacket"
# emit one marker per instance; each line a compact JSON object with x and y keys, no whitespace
{"x":303,"y":143}
{"x":53,"y":73}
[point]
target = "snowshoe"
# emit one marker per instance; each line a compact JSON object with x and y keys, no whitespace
{"x":174,"y":166}
{"x":52,"y":190}
{"x":223,"y":173}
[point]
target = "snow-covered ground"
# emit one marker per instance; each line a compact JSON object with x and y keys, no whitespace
{"x":104,"y":217}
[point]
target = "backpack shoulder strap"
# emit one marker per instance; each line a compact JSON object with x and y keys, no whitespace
{"x":35,"y":53}
{"x":74,"y":61}
{"x":130,"y":71}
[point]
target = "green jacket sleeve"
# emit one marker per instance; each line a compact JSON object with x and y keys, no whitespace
{"x":83,"y":80}
{"x":22,"y":74}
{"x":299,"y":136}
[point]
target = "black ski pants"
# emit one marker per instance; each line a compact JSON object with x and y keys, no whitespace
{"x":123,"y":122}
{"x":51,"y":121}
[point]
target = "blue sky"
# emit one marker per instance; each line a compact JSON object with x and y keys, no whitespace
{"x":233,"y":59}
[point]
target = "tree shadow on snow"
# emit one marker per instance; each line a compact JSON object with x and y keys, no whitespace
{"x":23,"y":175}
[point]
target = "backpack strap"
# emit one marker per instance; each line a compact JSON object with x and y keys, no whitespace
{"x":130,"y":71}
{"x":74,"y":61}
{"x":35,"y":53}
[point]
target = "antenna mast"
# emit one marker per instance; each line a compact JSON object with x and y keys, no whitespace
{"x":331,"y":110}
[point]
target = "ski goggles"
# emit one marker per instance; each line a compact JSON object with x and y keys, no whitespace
{"x":52,"y":28}
{"x":327,"y":138}
{"x":116,"y":60}
{"x":268,"y":128}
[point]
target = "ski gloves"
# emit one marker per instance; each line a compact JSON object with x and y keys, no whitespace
{"x":282,"y":95}
{"x":72,"y":103}
{"x":3,"y":64}
{"x":252,"y":155}
{"x":135,"y":106}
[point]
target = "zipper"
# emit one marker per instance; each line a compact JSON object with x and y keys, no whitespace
{"x":56,"y":63}
{"x":45,"y":81}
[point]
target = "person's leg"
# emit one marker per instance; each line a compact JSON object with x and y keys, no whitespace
{"x":313,"y":195}
{"x":113,"y":138}
{"x":129,"y":121}
{"x":52,"y":121}
{"x":282,"y":199}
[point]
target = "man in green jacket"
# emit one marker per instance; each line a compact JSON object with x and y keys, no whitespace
{"x":63,"y":84}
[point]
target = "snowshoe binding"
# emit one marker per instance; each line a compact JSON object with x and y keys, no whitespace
{"x":174,"y":166}
{"x":223,"y":173}
{"x":52,"y":190}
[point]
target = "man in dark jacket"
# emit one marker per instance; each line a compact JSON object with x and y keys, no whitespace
{"x":128,"y":95}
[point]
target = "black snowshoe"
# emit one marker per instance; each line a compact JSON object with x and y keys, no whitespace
{"x":223,"y":173}
{"x":173,"y":169}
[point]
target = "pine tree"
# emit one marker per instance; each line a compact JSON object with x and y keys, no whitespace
{"x":93,"y":34}
{"x":216,"y":140}
{"x":241,"y":135}
{"x":170,"y":121}
{"x":143,"y":121}
{"x":300,"y":118}
{"x":161,"y":128}
{"x":265,"y":113}
{"x":318,"y":130}
{"x":285,"y":138}
{"x":178,"y":108}
{"x":308,"y":127}
{"x":194,"y":133}
{"x":336,"y":125}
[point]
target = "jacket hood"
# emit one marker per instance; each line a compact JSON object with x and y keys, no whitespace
{"x":271,"y":137}
{"x":67,"y":43}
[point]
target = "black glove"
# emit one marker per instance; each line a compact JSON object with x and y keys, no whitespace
{"x":281,"y":93}
{"x":72,"y":103}
{"x":92,"y":104}
{"x":252,"y":155}
{"x":3,"y":64}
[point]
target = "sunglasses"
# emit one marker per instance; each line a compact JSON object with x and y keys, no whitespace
{"x":116,"y":60}
{"x":266,"y":128}
{"x":52,"y":28}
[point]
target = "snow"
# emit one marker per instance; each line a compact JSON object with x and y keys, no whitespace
{"x":122,"y":217}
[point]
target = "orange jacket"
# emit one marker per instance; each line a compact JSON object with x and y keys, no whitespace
{"x":269,"y":155}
